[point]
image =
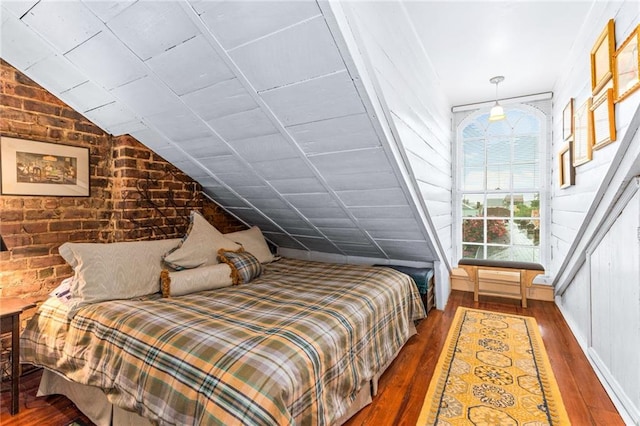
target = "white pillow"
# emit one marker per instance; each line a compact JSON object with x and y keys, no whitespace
{"x":200,"y":246}
{"x":114,"y":271}
{"x":253,"y":241}
{"x":198,"y":279}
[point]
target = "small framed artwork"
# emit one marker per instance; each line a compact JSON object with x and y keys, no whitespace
{"x":582,"y":145}
{"x":567,"y":121}
{"x":603,"y":120}
{"x":626,"y":63}
{"x":566,"y":171}
{"x":42,"y":168}
{"x":602,"y":58}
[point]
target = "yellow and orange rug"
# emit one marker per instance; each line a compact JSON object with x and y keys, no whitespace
{"x":493,"y":370}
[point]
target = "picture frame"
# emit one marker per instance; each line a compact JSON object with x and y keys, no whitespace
{"x":582,"y":145}
{"x":567,"y":120}
{"x":626,"y":66}
{"x":42,"y":168}
{"x":602,"y":58}
{"x":566,"y":171}
{"x":603,"y":119}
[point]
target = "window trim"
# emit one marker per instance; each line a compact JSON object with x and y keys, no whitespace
{"x":542,"y":111}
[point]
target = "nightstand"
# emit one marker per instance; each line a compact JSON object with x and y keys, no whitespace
{"x":10,"y":310}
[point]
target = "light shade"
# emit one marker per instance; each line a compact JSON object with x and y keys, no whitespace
{"x":497,"y":112}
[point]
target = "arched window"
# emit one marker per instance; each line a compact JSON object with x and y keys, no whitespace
{"x":500,"y":193}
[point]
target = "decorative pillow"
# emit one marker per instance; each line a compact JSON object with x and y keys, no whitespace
{"x":252,"y":241}
{"x":188,"y":281}
{"x":200,"y":246}
{"x":114,"y":271}
{"x":244,"y":265}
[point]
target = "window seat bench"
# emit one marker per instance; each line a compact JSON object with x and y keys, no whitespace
{"x":527,"y":272}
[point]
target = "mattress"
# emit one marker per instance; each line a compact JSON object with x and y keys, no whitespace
{"x":296,"y":345}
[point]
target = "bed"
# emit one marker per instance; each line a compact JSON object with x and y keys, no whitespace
{"x":303,"y":343}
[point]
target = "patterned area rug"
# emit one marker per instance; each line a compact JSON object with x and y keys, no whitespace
{"x":493,"y":370}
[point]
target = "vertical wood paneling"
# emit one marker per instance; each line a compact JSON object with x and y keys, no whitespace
{"x":615,"y":312}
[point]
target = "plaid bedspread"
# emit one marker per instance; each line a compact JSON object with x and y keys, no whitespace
{"x":291,"y":347}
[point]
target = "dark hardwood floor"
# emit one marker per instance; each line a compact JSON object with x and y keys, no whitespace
{"x":403,"y":387}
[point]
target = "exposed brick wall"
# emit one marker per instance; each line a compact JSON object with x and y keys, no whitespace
{"x":33,"y":227}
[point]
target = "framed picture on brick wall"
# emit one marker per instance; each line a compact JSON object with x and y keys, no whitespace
{"x":42,"y":168}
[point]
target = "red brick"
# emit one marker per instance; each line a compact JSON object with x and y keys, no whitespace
{"x":42,"y":214}
{"x":65,"y":225}
{"x":46,"y":120}
{"x":41,"y":107}
{"x":7,"y":215}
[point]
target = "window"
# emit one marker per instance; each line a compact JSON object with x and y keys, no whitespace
{"x":500,"y":187}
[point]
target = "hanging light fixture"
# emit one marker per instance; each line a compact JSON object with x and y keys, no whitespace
{"x":497,"y":112}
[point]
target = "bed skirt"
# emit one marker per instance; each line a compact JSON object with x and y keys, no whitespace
{"x":94,"y":403}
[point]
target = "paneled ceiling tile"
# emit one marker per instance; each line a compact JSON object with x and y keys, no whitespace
{"x":287,"y":223}
{"x":307,"y":232}
{"x":239,"y":178}
{"x":296,"y":54}
{"x":322,"y":199}
{"x":238,"y":22}
{"x":18,"y":7}
{"x":408,"y":224}
{"x":56,"y":74}
{"x":297,"y":186}
{"x":283,"y":240}
{"x":172,"y":154}
{"x":105,"y":10}
{"x":265,"y":148}
{"x":151,"y":27}
{"x":360,"y":251}
{"x":194,"y":58}
{"x":222,"y":164}
{"x":193,"y":170}
{"x":352,"y":162}
{"x":256,"y":192}
{"x":321,"y":98}
{"x":64,"y":24}
{"x":110,"y":114}
{"x":322,"y":212}
{"x":207,"y":146}
{"x":87,"y":96}
{"x":219,"y":192}
{"x":21,"y":47}
{"x":268,"y":203}
{"x":345,"y":234}
{"x":224,"y":98}
{"x":151,"y":139}
{"x":208,"y":182}
{"x":373,"y":197}
{"x":282,"y":214}
{"x":406,"y":250}
{"x":318,"y":244}
{"x":380,"y":179}
{"x":179,"y":124}
{"x":147,"y":96}
{"x":107,"y":61}
{"x":243,"y":125}
{"x":336,"y":134}
{"x":285,"y":168}
{"x":231,"y":202}
{"x":332,"y":222}
{"x":383,"y":213}
{"x":126,"y":128}
{"x":404,"y":234}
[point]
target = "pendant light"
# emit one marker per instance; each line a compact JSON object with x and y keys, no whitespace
{"x":497,"y":112}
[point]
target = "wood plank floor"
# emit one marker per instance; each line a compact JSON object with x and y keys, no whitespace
{"x":403,"y":387}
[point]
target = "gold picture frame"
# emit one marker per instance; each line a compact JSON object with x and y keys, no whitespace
{"x":602,"y":58}
{"x":566,"y":171}
{"x":41,"y":168}
{"x":567,"y":120}
{"x":582,"y":145}
{"x":603,"y":120}
{"x":626,"y":66}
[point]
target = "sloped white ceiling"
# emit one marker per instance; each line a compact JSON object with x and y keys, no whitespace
{"x":251,"y":99}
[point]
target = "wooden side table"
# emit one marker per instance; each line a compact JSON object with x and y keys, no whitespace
{"x":10,"y":310}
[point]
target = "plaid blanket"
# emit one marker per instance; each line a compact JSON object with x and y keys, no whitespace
{"x":293,"y":346}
